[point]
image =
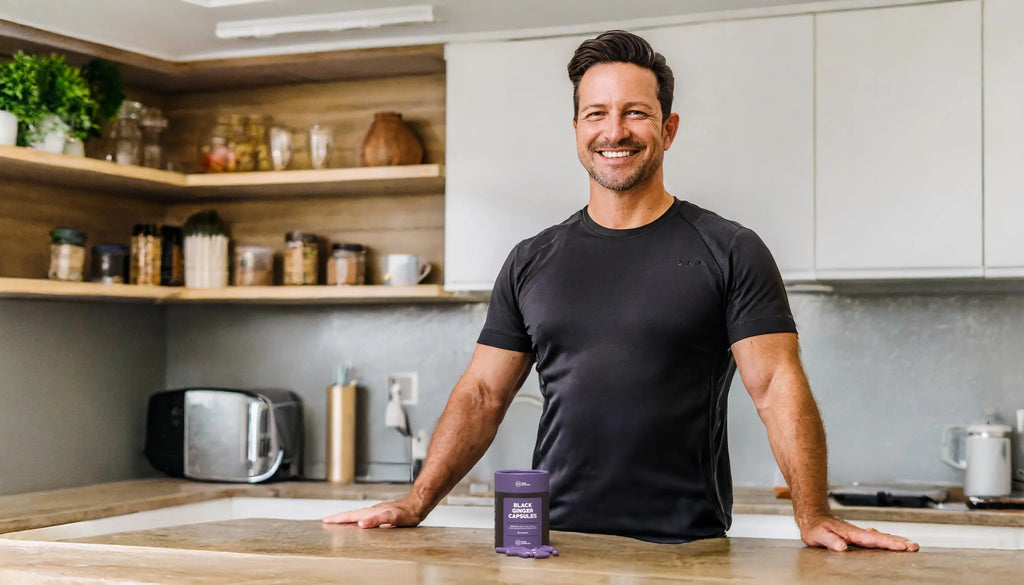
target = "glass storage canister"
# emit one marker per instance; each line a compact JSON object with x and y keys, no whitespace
{"x":108,"y":263}
{"x":300,"y":258}
{"x":347,"y":264}
{"x":145,"y":257}
{"x":254,"y":266}
{"x":172,"y":260}
{"x":67,"y":254}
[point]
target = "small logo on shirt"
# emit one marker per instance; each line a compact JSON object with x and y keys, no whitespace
{"x":689,"y":262}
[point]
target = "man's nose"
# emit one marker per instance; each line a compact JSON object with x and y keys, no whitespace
{"x":615,"y":129}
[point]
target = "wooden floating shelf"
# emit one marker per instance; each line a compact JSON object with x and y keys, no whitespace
{"x":43,"y":167}
{"x":28,"y":288}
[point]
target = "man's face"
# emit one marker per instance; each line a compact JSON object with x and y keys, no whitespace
{"x":620,"y":136}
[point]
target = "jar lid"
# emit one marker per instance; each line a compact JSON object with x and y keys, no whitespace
{"x":254,"y":250}
{"x":521,"y":481}
{"x":298,"y":236}
{"x":172,"y":232}
{"x":68,"y":236}
{"x":990,"y":430}
{"x":145,"y":229}
{"x":109,"y":249}
{"x":349,"y":247}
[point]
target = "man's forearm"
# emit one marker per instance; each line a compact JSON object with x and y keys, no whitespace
{"x":797,"y":439}
{"x":466,"y":428}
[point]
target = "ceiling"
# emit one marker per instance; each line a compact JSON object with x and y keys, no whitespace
{"x":177,"y":30}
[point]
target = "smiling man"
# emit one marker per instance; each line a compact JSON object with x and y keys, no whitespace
{"x":637,"y":310}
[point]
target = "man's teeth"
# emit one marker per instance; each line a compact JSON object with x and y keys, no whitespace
{"x":615,"y":153}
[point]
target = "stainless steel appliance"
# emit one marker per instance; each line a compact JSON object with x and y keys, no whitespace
{"x":222,"y":434}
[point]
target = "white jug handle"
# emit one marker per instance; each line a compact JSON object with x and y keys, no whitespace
{"x":946,"y":444}
{"x":424,"y":270}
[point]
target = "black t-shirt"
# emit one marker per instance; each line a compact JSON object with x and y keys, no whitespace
{"x":632,"y":330}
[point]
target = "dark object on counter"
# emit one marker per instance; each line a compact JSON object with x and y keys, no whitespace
{"x":172,"y":262}
{"x":67,"y":254}
{"x":521,"y":508}
{"x":222,"y":434}
{"x":1014,"y":501}
{"x":146,"y":255}
{"x":109,"y":263}
{"x":902,"y":496}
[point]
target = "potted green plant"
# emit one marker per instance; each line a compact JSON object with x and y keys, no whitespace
{"x":50,"y":98}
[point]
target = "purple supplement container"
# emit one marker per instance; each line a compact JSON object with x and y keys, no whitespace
{"x":521,"y":508}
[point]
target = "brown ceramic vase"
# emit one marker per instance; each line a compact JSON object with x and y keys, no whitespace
{"x":390,"y":141}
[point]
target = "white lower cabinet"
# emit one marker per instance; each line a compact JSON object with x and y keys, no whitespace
{"x":898,"y":154}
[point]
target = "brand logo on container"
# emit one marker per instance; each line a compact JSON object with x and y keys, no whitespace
{"x":521,"y":542}
{"x":522,"y":484}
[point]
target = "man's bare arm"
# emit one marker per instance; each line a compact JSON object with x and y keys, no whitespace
{"x":469,"y":423}
{"x":770,"y":368}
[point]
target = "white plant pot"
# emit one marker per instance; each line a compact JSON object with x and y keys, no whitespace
{"x":74,"y":147}
{"x":8,"y":128}
{"x":52,"y":133}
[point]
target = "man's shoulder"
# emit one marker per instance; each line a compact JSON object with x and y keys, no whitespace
{"x":548,"y":236}
{"x":708,"y":223}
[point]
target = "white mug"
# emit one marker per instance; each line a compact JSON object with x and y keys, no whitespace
{"x":403,"y":269}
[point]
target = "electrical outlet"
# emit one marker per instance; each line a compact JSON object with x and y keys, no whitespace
{"x":408,"y":383}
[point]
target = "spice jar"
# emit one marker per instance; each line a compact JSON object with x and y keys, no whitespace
{"x":347,"y":264}
{"x":145,"y":259}
{"x":300,"y":258}
{"x":67,"y":254}
{"x":172,"y":262}
{"x":254,"y":266}
{"x":108,"y":263}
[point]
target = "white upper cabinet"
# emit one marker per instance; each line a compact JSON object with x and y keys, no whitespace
{"x":898,"y":150}
{"x":1004,"y":138}
{"x":511,"y":161}
{"x":745,"y":147}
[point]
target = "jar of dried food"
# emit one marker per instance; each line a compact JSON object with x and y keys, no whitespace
{"x":218,"y":154}
{"x":347,"y":264}
{"x":172,"y":261}
{"x":254,"y":266}
{"x":67,"y":254}
{"x":300,"y":258}
{"x":108,"y":263}
{"x":145,"y":260}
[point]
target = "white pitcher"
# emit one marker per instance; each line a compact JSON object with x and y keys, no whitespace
{"x":987,"y":463}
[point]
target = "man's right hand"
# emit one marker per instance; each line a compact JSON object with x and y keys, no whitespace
{"x":383,"y":515}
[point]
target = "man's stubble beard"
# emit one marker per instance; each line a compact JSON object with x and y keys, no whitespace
{"x":641,"y":174}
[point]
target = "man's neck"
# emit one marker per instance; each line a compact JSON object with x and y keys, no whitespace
{"x":621,"y":210}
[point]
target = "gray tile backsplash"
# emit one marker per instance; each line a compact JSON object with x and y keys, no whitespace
{"x":889,"y":371}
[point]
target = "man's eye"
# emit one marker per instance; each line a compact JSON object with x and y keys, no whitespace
{"x":636,"y":114}
{"x":593,"y":115}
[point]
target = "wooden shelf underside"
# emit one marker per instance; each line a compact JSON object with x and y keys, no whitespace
{"x":32,"y":288}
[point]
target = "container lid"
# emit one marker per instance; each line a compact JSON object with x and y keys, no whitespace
{"x":349,"y":247}
{"x":254,"y":250}
{"x":68,"y":236}
{"x":109,"y":249}
{"x":171,"y":232}
{"x":298,"y":236}
{"x":521,"y":481}
{"x":145,"y":229}
{"x":991,"y":430}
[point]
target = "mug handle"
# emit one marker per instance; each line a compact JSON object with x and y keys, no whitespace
{"x":946,"y":444}
{"x":425,"y":268}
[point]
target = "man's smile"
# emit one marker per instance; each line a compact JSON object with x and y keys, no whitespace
{"x":617,"y":153}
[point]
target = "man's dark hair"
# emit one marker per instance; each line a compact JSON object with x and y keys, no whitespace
{"x":619,"y":46}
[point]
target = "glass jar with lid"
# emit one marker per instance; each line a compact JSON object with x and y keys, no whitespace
{"x":108,"y":263}
{"x":347,"y":264}
{"x":67,"y":254}
{"x":301,"y":257}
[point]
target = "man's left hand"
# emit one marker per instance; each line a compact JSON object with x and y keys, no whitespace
{"x":836,"y":535}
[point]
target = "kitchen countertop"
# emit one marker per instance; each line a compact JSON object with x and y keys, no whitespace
{"x":49,"y":508}
{"x":285,"y":551}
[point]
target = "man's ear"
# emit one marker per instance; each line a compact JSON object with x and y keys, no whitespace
{"x":669,"y":129}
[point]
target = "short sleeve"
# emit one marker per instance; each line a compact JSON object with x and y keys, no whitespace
{"x":756,"y":300}
{"x":504,"y":327}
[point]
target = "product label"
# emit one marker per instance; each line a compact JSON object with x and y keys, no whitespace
{"x":522,"y":522}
